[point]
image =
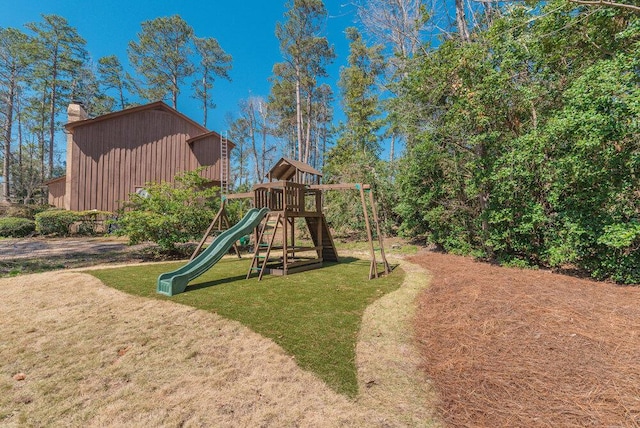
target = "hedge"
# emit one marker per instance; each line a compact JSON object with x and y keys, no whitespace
{"x":62,"y":222}
{"x":16,"y":227}
{"x":23,"y":211}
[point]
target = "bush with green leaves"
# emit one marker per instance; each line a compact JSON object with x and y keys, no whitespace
{"x":169,"y":213}
{"x":16,"y":227}
{"x":64,"y":222}
{"x":56,"y":222}
{"x":525,"y":149}
{"x":24,"y":211}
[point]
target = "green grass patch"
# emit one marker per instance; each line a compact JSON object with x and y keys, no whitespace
{"x":314,"y":316}
{"x":392,"y":247}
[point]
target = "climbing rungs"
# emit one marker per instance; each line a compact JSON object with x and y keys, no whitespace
{"x":259,"y":262}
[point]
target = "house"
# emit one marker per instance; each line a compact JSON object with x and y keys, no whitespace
{"x":114,"y":155}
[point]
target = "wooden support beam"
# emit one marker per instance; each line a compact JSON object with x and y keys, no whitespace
{"x":341,"y":186}
{"x":374,"y":211}
{"x":373,"y":268}
{"x":223,"y":222}
{"x":240,"y":195}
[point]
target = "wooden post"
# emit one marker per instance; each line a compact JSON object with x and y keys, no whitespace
{"x":387,"y":269}
{"x":285,"y":252}
{"x":220,"y":217}
{"x":373,"y":267}
{"x":292,"y":233}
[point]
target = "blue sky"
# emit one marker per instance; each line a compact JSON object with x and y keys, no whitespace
{"x":245,"y":29}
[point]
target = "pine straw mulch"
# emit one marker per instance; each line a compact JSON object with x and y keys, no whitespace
{"x":511,"y":347}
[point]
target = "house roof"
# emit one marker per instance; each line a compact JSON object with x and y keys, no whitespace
{"x":158,"y":105}
{"x":286,"y":168}
{"x":202,"y":136}
{"x":53,"y":180}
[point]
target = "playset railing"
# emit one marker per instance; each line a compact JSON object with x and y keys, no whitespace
{"x":281,"y":196}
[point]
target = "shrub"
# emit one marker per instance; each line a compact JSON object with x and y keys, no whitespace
{"x":26,"y":211}
{"x":21,"y":210}
{"x":64,"y":223}
{"x":16,"y":227}
{"x":169,"y":214}
{"x":56,"y":222}
{"x":91,"y":223}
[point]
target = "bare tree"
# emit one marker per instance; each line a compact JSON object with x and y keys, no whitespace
{"x":461,"y":21}
{"x":305,"y":55}
{"x":254,"y":128}
{"x":398,"y":24}
{"x":626,"y":6}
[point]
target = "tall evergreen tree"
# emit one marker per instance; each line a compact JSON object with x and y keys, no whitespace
{"x":214,"y":62}
{"x":113,"y":77}
{"x":162,"y":57}
{"x":306,"y":55}
{"x":354,"y":159}
{"x":60,"y":54}
{"x":14,"y":66}
{"x":359,"y":95}
{"x":86,"y":89}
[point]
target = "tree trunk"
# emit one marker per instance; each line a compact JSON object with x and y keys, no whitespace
{"x":205,"y":99}
{"x":6,"y":165}
{"x":20,"y":176}
{"x":392,"y":149}
{"x":174,"y":92}
{"x":307,"y":148}
{"x":40,"y":134}
{"x":252,"y":136}
{"x":461,"y":21}
{"x":480,"y":151}
{"x":52,"y":122}
{"x":263,"y":159}
{"x":121,"y":91}
{"x":298,"y":114}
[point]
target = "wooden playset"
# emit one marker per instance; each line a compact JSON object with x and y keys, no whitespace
{"x":293,"y":196}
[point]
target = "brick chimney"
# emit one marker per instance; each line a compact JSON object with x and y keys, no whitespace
{"x":75,"y":112}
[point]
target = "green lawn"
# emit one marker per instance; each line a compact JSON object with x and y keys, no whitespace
{"x":315,"y":315}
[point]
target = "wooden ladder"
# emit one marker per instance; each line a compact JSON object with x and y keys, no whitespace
{"x":268,"y":230}
{"x":373,"y":267}
{"x":224,"y":165}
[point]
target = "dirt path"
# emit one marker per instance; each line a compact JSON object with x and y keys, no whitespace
{"x":30,"y":248}
{"x":511,"y":347}
{"x":389,"y":376}
{"x":94,"y":356}
{"x":30,"y":255}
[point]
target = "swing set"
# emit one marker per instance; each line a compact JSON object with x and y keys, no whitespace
{"x":293,"y":196}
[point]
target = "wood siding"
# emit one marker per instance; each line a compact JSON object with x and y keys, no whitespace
{"x":56,"y":192}
{"x":112,"y":158}
{"x":206,"y":152}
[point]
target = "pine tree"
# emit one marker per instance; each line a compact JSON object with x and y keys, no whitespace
{"x":60,"y":55}
{"x":14,"y":65}
{"x":162,"y":56}
{"x":306,"y":56}
{"x":214,"y":62}
{"x":113,"y":77}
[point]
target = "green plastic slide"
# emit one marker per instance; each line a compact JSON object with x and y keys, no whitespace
{"x":176,"y":281}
